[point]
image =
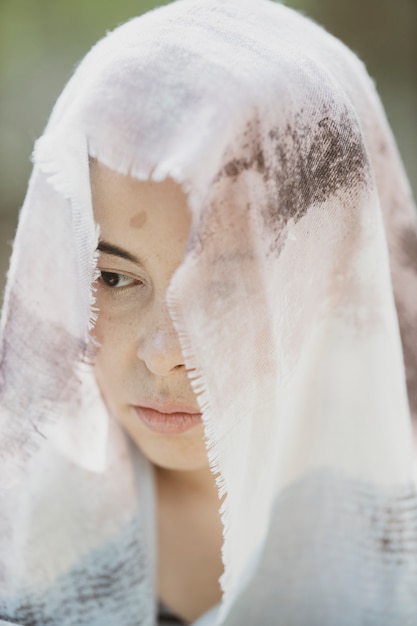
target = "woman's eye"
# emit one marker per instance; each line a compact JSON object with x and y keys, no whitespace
{"x":116,"y":281}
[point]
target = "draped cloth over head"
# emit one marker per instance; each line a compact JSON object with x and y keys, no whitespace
{"x":296,"y":310}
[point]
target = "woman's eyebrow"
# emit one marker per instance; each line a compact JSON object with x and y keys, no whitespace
{"x":109,"y":248}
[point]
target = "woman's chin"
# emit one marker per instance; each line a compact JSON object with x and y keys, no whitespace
{"x":179,"y":452}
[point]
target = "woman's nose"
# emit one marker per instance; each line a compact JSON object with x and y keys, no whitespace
{"x":158,"y":345}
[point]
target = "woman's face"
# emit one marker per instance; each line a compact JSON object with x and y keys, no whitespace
{"x":139,"y":366}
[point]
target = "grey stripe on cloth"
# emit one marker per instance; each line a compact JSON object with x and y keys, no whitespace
{"x":365,"y":538}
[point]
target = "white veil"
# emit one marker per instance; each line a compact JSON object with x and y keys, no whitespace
{"x":296,"y":310}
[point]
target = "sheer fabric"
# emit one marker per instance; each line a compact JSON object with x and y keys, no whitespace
{"x":295,"y":306}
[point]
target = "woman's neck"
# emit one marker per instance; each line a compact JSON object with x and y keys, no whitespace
{"x":200,"y":484}
{"x":190,"y":537}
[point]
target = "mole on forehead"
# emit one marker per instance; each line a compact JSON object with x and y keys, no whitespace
{"x":138,"y":220}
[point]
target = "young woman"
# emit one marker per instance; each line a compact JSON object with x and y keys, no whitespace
{"x":208,"y":362}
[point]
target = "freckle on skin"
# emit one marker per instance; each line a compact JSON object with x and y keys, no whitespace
{"x":138,"y":220}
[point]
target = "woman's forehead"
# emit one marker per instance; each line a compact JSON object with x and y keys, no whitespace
{"x":114,"y":193}
{"x":145,"y":218}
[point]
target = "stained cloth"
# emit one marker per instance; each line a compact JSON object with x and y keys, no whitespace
{"x":295,"y":306}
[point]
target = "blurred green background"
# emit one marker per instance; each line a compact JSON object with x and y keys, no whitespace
{"x":41,"y":42}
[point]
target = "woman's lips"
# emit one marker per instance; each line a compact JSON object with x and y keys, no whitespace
{"x":172,"y":423}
